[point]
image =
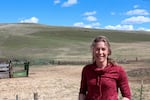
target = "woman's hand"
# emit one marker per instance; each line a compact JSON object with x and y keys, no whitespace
{"x":81,"y":96}
{"x":124,"y":98}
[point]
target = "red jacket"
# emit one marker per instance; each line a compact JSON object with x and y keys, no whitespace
{"x":103,"y":84}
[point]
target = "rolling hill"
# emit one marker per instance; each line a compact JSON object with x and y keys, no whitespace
{"x":36,"y":41}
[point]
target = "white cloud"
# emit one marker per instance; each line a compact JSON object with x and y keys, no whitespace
{"x":136,"y":20}
{"x":56,"y":1}
{"x":137,"y":12}
{"x":79,"y":24}
{"x":143,"y":29}
{"x":69,"y":3}
{"x":112,"y":13}
{"x":89,"y":13}
{"x":91,"y":18}
{"x":92,"y":25}
{"x":30,"y":20}
{"x":120,"y":27}
{"x":135,"y":6}
{"x":96,"y":24}
{"x":87,"y":26}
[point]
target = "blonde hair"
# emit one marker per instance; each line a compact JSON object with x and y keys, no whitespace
{"x":106,"y":41}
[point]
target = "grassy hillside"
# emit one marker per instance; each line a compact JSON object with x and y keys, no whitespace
{"x":35,"y":41}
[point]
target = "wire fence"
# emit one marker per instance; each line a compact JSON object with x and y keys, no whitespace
{"x":137,"y":95}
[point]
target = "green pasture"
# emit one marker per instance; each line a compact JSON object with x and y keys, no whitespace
{"x":36,"y":41}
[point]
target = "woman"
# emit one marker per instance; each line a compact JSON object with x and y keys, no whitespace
{"x":101,"y":79}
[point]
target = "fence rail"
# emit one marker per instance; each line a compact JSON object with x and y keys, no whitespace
{"x":35,"y":96}
{"x":8,"y":69}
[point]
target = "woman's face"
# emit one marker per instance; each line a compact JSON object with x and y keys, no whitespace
{"x":100,"y":52}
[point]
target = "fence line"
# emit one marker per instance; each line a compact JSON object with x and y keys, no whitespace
{"x":83,"y":62}
{"x":75,"y":61}
{"x":140,"y":97}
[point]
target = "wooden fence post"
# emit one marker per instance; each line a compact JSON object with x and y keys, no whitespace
{"x":35,"y":96}
{"x":16,"y":97}
{"x":141,"y":90}
{"x":26,"y":67}
{"x":10,"y":69}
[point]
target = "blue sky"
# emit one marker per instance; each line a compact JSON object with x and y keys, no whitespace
{"x":103,"y":14}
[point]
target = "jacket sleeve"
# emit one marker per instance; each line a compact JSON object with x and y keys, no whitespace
{"x":83,"y":84}
{"x":123,"y":84}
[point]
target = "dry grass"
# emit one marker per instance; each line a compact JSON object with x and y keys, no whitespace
{"x":131,"y":50}
{"x":51,"y":83}
{"x":56,"y":83}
